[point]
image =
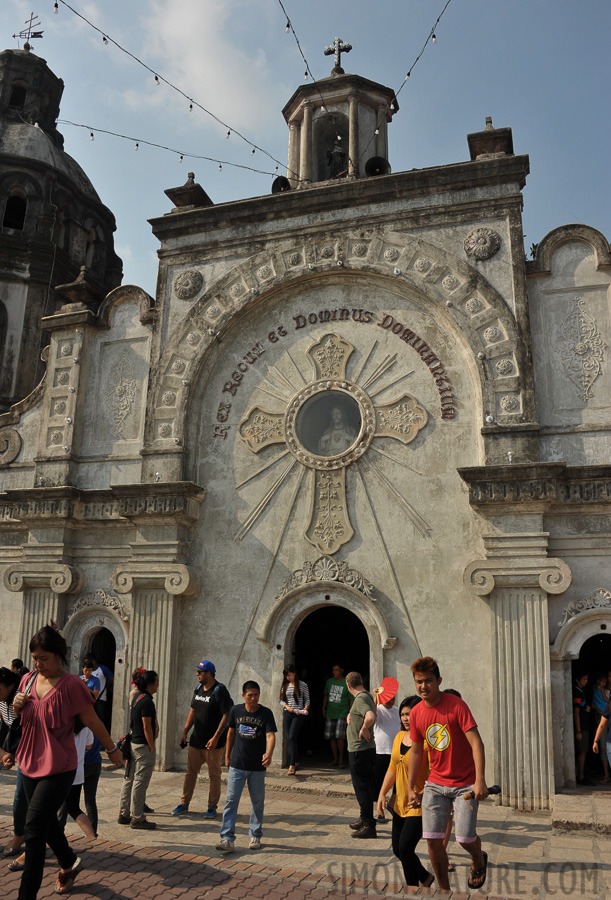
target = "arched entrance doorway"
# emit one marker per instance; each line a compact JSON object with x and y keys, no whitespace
{"x":328,"y":635}
{"x":594,"y":660}
{"x":104,"y":648}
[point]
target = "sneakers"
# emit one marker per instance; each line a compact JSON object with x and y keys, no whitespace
{"x":209,"y":814}
{"x":180,"y":810}
{"x":226,"y":846}
{"x":143,"y":824}
{"x":255,"y":843}
{"x":123,"y":820}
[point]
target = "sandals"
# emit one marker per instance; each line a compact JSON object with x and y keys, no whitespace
{"x":292,"y":770}
{"x":15,"y":866}
{"x":477,"y":877}
{"x":65,"y":880}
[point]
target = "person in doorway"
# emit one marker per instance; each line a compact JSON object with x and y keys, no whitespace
{"x":106,"y":678}
{"x":295,"y":700}
{"x":208,"y":716}
{"x":581,"y":711}
{"x":406,"y":821}
{"x":92,"y":682}
{"x":361,"y":754}
{"x":144,"y":732}
{"x":251,"y":739}
{"x":336,"y":704}
{"x":386,"y":728}
{"x":457,"y":766}
{"x":600,"y":701}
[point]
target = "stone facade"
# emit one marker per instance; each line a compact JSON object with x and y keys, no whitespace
{"x":352,"y":396}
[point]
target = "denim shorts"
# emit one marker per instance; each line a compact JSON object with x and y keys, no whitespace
{"x":437,"y":803}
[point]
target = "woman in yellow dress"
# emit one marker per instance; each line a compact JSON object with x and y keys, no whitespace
{"x":406,"y":822}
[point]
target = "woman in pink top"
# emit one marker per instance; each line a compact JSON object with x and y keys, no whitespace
{"x":47,"y":756}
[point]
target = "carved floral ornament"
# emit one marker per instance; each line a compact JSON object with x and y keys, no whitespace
{"x":600,"y":599}
{"x":99,"y":600}
{"x":188,"y":284}
{"x":10,"y":445}
{"x":582,"y":349}
{"x":326,"y":569}
{"x":482,"y":243}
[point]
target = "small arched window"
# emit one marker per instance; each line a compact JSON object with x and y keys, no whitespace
{"x":14,"y":212}
{"x":18,"y":95}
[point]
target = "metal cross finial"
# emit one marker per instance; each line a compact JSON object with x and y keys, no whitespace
{"x":337,"y":48}
{"x":28,"y":33}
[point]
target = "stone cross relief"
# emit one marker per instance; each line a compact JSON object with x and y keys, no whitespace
{"x":328,"y":425}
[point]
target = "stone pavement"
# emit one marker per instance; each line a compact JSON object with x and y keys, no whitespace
{"x":308,"y":854}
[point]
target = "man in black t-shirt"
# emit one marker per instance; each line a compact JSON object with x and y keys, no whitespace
{"x":251,"y":739}
{"x":208,"y":716}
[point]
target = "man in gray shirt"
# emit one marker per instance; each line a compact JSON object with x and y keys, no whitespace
{"x":361,"y":754}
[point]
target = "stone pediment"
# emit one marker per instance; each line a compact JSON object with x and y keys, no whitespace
{"x":324,"y":570}
{"x":99,"y":600}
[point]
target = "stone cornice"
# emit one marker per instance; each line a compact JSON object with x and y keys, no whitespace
{"x":177,"y":501}
{"x":552,"y":484}
{"x":174,"y":578}
{"x":59,"y":577}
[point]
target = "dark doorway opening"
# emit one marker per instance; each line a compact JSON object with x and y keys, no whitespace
{"x":104,"y":648}
{"x":327,"y":636}
{"x":594,"y":661}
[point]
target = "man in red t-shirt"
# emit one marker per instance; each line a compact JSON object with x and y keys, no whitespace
{"x":457,"y":766}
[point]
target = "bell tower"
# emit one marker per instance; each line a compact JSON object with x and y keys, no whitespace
{"x":338,"y":126}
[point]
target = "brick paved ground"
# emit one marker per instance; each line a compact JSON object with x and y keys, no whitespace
{"x":307,"y":853}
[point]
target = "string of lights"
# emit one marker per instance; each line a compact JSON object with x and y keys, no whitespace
{"x":181,"y":154}
{"x":159,"y":79}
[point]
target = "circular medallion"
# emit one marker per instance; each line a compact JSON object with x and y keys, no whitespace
{"x":188,"y":283}
{"x":329,"y":424}
{"x":482,"y":243}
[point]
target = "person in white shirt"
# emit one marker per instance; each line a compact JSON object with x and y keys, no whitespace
{"x":386,"y":728}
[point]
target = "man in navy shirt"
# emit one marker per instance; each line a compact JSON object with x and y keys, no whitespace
{"x":251,"y":738}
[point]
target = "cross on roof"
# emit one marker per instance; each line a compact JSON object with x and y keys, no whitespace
{"x":337,"y":48}
{"x":28,"y":33}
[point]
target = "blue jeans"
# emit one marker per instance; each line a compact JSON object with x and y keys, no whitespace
{"x":20,"y":806}
{"x":236,"y":780}
{"x":292,"y":727}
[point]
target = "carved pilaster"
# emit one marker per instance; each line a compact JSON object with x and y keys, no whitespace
{"x":45,"y":586}
{"x":155,"y":589}
{"x":518,"y":576}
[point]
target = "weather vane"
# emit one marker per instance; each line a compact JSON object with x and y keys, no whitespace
{"x":337,"y":48}
{"x":28,"y":32}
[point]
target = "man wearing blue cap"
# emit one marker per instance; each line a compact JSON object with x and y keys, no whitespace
{"x":209,"y":715}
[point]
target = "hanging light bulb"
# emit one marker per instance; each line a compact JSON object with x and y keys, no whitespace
{"x":392,"y":105}
{"x":228,"y":135}
{"x":104,"y":39}
{"x":377,"y":131}
{"x":305,"y":75}
{"x":157,"y":80}
{"x":180,"y":158}
{"x":91,"y":136}
{"x":339,"y":137}
{"x":220,"y":168}
{"x":56,"y":7}
{"x":137,"y":146}
{"x":406,"y":77}
{"x":288,"y":26}
{"x":434,"y":38}
{"x":323,"y":108}
{"x":276,"y":170}
{"x":252,"y":152}
{"x":191,"y":106}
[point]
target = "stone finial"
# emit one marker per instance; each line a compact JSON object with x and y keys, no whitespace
{"x":490,"y":143}
{"x":337,"y":48}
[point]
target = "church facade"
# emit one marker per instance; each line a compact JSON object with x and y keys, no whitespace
{"x":353,"y":425}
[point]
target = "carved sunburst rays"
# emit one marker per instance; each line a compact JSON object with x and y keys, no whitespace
{"x":328,"y":424}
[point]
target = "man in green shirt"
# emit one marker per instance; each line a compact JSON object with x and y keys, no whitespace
{"x":336,"y":703}
{"x":361,"y":754}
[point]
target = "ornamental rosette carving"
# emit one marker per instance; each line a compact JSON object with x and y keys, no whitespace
{"x":10,"y":445}
{"x":473,"y":305}
{"x":482,"y":243}
{"x":493,"y":334}
{"x":391,"y":254}
{"x":450,"y":282}
{"x":295,"y":259}
{"x":326,"y":569}
{"x":600,"y":599}
{"x":99,"y":600}
{"x":582,"y":349}
{"x":422,"y":264}
{"x":327,"y":252}
{"x":509,"y":403}
{"x":360,"y":250}
{"x":188,"y":284}
{"x":504,"y":367}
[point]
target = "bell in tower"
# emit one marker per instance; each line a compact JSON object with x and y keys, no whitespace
{"x":338,"y":126}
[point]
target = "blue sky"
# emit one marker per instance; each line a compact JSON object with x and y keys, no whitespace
{"x":539,"y":66}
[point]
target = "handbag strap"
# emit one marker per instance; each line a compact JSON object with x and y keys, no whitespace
{"x":134,"y":705}
{"x":28,"y":688}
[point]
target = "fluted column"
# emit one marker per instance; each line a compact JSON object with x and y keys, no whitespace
{"x":517,"y":576}
{"x":155,"y":590}
{"x":353,"y":137}
{"x":305,"y":156}
{"x":45,"y":586}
